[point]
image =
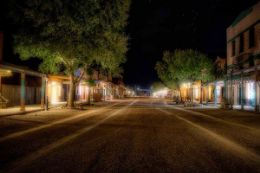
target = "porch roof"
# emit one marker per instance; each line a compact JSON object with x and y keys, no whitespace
{"x":4,"y":72}
{"x":59,"y":77}
{"x":13,"y":68}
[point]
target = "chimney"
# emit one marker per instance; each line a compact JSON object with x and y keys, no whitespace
{"x":1,"y":46}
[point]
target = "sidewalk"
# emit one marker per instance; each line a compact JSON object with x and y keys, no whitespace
{"x":205,"y":106}
{"x":28,"y":109}
{"x":198,"y":106}
{"x":16,"y":110}
{"x":35,"y":108}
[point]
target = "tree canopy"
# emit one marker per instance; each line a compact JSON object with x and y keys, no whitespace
{"x":156,"y":86}
{"x":71,"y":34}
{"x":114,"y":43}
{"x":182,"y":66}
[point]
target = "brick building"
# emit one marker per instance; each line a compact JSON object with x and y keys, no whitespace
{"x":243,"y":60}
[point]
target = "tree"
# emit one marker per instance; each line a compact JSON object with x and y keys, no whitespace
{"x":156,"y":86}
{"x":220,"y":68}
{"x":112,"y":54}
{"x":67,"y":35}
{"x":184,"y":66}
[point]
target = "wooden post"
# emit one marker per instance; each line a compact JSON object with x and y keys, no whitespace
{"x":242,"y":92}
{"x":206,"y":94}
{"x":43,"y":91}
{"x":232,"y":94}
{"x":0,"y":85}
{"x":256,"y":96}
{"x":22,"y":101}
{"x":46,"y":95}
{"x":224,"y":96}
{"x":1,"y":46}
{"x":256,"y":93}
{"x":192,"y":88}
{"x":201,"y":92}
{"x":215,"y":93}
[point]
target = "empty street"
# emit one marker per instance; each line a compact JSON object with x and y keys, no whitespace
{"x":131,"y":135}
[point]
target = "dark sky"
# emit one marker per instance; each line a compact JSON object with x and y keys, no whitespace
{"x":158,"y":25}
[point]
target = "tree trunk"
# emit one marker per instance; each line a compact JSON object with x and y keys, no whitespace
{"x":72,"y":90}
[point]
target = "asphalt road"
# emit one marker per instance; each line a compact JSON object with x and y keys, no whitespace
{"x":132,"y":135}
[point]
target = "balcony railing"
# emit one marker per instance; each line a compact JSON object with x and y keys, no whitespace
{"x":243,"y":60}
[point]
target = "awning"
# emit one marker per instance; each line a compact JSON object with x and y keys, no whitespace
{"x":5,"y":73}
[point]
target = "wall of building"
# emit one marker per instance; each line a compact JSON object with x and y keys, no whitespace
{"x":242,"y":25}
{"x":10,"y":88}
{"x":252,"y":20}
{"x":242,"y":87}
{"x":12,"y":94}
{"x":1,"y":46}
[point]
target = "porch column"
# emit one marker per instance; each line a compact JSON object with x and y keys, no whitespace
{"x":201,"y":92}
{"x":0,"y":85}
{"x":22,"y":101}
{"x":46,"y":94}
{"x":242,"y":91}
{"x":43,"y":92}
{"x":224,"y":90}
{"x":215,"y":93}
{"x":256,"y":96}
{"x":192,"y":99}
{"x":232,"y":91}
{"x":207,"y":94}
{"x":256,"y":93}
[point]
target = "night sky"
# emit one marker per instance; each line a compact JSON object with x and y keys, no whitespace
{"x":158,"y":25}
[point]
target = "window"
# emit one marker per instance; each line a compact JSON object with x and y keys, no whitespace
{"x":251,"y":61}
{"x":233,"y":48}
{"x":251,"y":37}
{"x":241,"y":43}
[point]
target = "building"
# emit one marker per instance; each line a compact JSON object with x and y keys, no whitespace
{"x":57,"y":88}
{"x":143,"y":92}
{"x":191,"y":91}
{"x":243,"y":60}
{"x":119,"y":89}
{"x":21,"y":86}
{"x":210,"y":92}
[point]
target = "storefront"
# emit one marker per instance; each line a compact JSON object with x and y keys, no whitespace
{"x":219,"y":92}
{"x":19,"y":86}
{"x":243,"y":91}
{"x":58,"y":88}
